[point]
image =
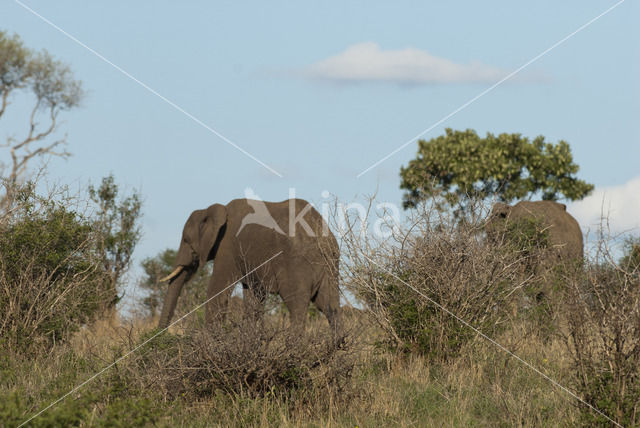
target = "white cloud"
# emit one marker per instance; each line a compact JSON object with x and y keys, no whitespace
{"x":366,"y":62}
{"x":621,"y":204}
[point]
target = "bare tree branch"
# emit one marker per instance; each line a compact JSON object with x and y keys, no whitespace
{"x":5,"y":102}
{"x":51,"y":82}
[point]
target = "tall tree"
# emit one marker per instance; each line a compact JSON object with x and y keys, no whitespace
{"x":52,"y":89}
{"x":116,"y":226}
{"x":460,"y":165}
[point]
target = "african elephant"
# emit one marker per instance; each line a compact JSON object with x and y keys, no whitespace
{"x":565,"y":236}
{"x":270,"y":247}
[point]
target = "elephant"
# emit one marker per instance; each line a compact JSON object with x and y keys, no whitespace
{"x":270,"y":247}
{"x":565,"y":236}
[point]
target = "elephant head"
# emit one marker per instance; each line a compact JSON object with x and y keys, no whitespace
{"x":200,"y":239}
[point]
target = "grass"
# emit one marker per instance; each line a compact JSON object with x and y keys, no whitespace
{"x":482,"y":387}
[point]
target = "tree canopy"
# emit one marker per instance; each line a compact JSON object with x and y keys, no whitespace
{"x":51,"y":87}
{"x":507,"y":167}
{"x":116,"y":224}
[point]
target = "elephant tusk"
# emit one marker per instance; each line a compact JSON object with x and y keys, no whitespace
{"x":173,"y":274}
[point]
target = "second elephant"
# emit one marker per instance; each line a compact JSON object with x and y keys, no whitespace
{"x":565,"y":236}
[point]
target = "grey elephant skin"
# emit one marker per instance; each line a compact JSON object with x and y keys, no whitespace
{"x":244,"y":234}
{"x":565,"y":236}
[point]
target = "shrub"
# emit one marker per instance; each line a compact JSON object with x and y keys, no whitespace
{"x":541,"y":298}
{"x":50,"y":282}
{"x":250,"y":359}
{"x":631,"y":259}
{"x":433,"y":263}
{"x":603,"y":337}
{"x":60,"y":268}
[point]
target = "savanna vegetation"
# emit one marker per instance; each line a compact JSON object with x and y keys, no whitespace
{"x":433,"y":344}
{"x":449,"y":329}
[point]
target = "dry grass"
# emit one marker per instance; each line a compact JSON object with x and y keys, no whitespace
{"x":482,"y":386}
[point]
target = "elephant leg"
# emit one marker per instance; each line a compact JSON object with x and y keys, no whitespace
{"x":327,"y":299}
{"x":297,"y":312}
{"x":218,"y":291}
{"x":296,"y":297}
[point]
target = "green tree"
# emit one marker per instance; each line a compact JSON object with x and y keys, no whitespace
{"x":52,"y":89}
{"x":117,"y":228}
{"x":631,"y":258}
{"x":50,"y":279}
{"x":460,"y":165}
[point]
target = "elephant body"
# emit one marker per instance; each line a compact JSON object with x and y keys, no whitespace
{"x":270,"y":247}
{"x":565,"y":236}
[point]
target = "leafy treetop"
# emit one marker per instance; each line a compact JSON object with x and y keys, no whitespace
{"x":116,"y":225}
{"x":507,"y":167}
{"x":50,"y":88}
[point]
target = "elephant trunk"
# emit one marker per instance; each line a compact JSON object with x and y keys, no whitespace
{"x":171,"y":299}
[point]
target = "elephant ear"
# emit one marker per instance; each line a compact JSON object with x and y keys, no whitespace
{"x":211,"y":227}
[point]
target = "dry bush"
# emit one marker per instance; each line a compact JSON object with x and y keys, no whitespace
{"x":250,"y":359}
{"x":603,"y":336}
{"x":50,"y":277}
{"x":60,"y":263}
{"x":434,"y":271}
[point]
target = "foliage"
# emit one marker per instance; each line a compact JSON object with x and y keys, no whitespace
{"x":460,"y":165}
{"x":528,"y":238}
{"x":54,"y":270}
{"x":528,"y":234}
{"x":631,"y":259}
{"x":438,"y":278}
{"x":432,"y":274}
{"x":53,"y":89}
{"x":50,"y":281}
{"x":117,"y":230}
{"x":603,"y":337}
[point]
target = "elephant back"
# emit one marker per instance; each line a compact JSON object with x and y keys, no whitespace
{"x":564,"y":231}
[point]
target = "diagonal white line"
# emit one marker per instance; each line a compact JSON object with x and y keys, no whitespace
{"x":493,"y":342}
{"x":145,"y":342}
{"x":492,"y":87}
{"x":153,"y":91}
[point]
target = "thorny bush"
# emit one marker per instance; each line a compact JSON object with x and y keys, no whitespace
{"x":433,"y":272}
{"x":50,"y":279}
{"x":250,"y":358}
{"x":603,"y":335}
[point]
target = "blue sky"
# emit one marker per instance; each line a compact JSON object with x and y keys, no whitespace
{"x":321,"y":91}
